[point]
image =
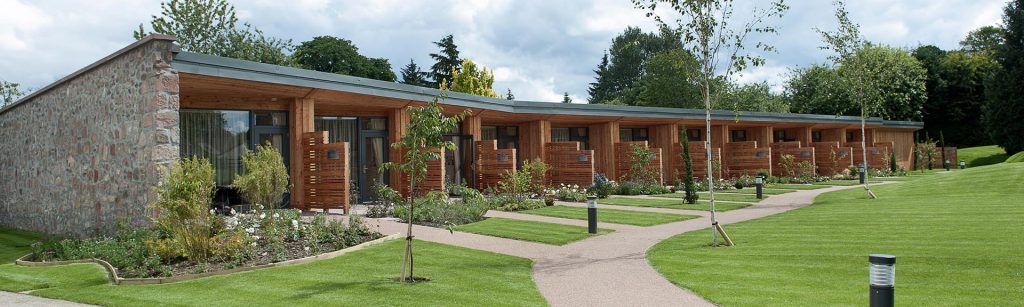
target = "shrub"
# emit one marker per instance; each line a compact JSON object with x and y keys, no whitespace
{"x":640,"y":160}
{"x":384,"y":201}
{"x":788,"y":165}
{"x":525,"y":182}
{"x":571,"y":193}
{"x":640,"y":188}
{"x":266,"y":179}
{"x":506,"y":203}
{"x":183,"y":211}
{"x":602,"y":187}
{"x":435,"y":209}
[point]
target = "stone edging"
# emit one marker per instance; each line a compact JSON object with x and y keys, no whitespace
{"x":112,"y":272}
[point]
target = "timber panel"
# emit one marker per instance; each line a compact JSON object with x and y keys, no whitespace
{"x":832,"y":159}
{"x":325,"y":171}
{"x":698,"y":154}
{"x":567,"y":164}
{"x":624,"y":160}
{"x":492,"y":163}
{"x":876,"y":154}
{"x":745,"y":158}
{"x":434,"y":182}
{"x":799,"y":153}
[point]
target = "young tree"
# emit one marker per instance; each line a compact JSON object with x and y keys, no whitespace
{"x":412,"y":75}
{"x":509,"y":96}
{"x":712,"y":36}
{"x":9,"y":92}
{"x":566,"y":99}
{"x":210,"y":27}
{"x":447,"y":61}
{"x":689,"y":186}
{"x":424,"y":133}
{"x":472,"y":79}
{"x":340,"y":56}
{"x":1004,"y":113}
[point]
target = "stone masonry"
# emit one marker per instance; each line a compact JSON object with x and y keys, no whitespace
{"x":81,"y":155}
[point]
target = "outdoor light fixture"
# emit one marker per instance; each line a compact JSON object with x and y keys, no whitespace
{"x":863,"y":172}
{"x":333,"y":154}
{"x":963,"y":164}
{"x":503,"y":157}
{"x":758,"y":183}
{"x":882,"y":277}
{"x":582,"y":158}
{"x":592,"y":214}
{"x":946,"y":164}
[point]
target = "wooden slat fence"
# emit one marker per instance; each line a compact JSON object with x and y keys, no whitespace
{"x":832,"y":159}
{"x":745,"y":158}
{"x":876,"y":155}
{"x":567,"y":164}
{"x":799,"y":153}
{"x":325,"y":172}
{"x":492,"y":163}
{"x":624,"y":160}
{"x":697,"y":156}
{"x":433,"y":182}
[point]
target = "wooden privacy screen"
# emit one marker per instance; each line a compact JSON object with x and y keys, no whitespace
{"x":567,"y":164}
{"x":697,"y":156}
{"x":745,"y":158}
{"x":492,"y":163}
{"x":832,"y":159}
{"x":799,"y":153}
{"x":624,"y":161}
{"x":434,"y":180}
{"x":951,"y":156}
{"x":325,"y":172}
{"x":876,"y":154}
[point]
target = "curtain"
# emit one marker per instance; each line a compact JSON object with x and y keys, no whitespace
{"x":219,"y":136}
{"x":343,"y":129}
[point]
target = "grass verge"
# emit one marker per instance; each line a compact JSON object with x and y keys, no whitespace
{"x":540,"y":232}
{"x":611,"y":215}
{"x":669,"y":203}
{"x":981,"y":155}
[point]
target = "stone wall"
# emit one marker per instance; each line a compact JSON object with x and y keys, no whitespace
{"x":82,"y":154}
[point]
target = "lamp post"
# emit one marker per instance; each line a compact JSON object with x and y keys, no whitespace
{"x":759,"y":183}
{"x":882,"y":278}
{"x":963,"y":164}
{"x":592,"y":214}
{"x":863,"y":172}
{"x":946,"y":164}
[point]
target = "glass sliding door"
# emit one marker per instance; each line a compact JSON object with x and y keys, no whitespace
{"x":217,"y":135}
{"x":373,"y":152}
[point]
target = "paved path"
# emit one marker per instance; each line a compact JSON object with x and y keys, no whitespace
{"x":608,"y":270}
{"x":25,"y":300}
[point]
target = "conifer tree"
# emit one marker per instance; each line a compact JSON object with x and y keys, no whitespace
{"x":412,"y":75}
{"x":566,"y":99}
{"x":509,"y":96}
{"x":447,"y":61}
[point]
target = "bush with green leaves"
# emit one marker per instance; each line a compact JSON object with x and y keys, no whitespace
{"x":525,"y":183}
{"x":571,"y":193}
{"x":436,"y":209}
{"x":602,"y":187}
{"x":265,"y":179}
{"x":640,"y":160}
{"x":126,"y":251}
{"x":184,"y":218}
{"x":384,"y":201}
{"x":640,"y":188}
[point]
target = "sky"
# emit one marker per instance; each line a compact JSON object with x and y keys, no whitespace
{"x":538,"y":49}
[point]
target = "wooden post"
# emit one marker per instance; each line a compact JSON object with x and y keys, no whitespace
{"x":666,"y":137}
{"x":603,"y":137}
{"x":300,"y":113}
{"x":721,"y":231}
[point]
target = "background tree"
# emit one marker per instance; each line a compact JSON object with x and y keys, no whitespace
{"x":566,"y":98}
{"x":817,"y":90}
{"x":9,"y":93}
{"x":754,"y":97}
{"x":412,"y":75}
{"x":340,"y":56}
{"x":1004,"y":113}
{"x":956,"y":93}
{"x":210,"y":27}
{"x":600,"y":90}
{"x":509,"y":96}
{"x":446,"y":61}
{"x":719,"y":46}
{"x":671,"y":81}
{"x":472,"y":79}
{"x":986,"y":39}
{"x":424,"y":133}
{"x":620,"y":73}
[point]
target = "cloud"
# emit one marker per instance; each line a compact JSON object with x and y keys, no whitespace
{"x":538,"y":48}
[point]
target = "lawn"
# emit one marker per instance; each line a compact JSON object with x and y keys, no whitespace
{"x":459,"y":276}
{"x":727,"y":195}
{"x":547,"y":233}
{"x":611,"y":215}
{"x":669,"y":203}
{"x":956,"y":237}
{"x":981,"y":155}
{"x":796,"y":186}
{"x":838,"y":182}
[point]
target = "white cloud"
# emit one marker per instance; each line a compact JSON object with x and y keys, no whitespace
{"x":18,"y":23}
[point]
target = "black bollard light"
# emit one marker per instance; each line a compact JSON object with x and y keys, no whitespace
{"x":759,"y":183}
{"x":963,"y":164}
{"x":592,"y":214}
{"x":946,"y":164}
{"x":882,"y":277}
{"x":863,"y":173}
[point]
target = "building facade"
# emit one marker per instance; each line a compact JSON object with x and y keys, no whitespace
{"x":85,"y":152}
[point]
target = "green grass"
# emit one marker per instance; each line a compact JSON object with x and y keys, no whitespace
{"x":1016,"y":158}
{"x":547,"y":233}
{"x":956,"y":237}
{"x":15,"y":243}
{"x":838,"y":182}
{"x":981,"y":155}
{"x":797,"y":186}
{"x":726,"y":195}
{"x":459,"y":276}
{"x":611,"y":215}
{"x":669,"y":203}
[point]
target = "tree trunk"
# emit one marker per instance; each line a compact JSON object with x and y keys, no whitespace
{"x":407,"y":260}
{"x":710,"y":164}
{"x":864,"y":154}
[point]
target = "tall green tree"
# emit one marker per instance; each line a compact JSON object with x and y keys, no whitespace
{"x":340,"y":56}
{"x":472,"y":79}
{"x":671,"y":81}
{"x":718,"y":40}
{"x":446,"y":61}
{"x":1004,"y":113}
{"x":566,"y":98}
{"x":424,"y":133}
{"x":211,"y":27}
{"x":754,"y":97}
{"x":956,"y":94}
{"x":626,"y":64}
{"x":600,"y":89}
{"x":509,"y":96}
{"x":986,"y":39}
{"x":817,"y":89}
{"x":9,"y":92}
{"x":412,"y":75}
{"x":689,"y":186}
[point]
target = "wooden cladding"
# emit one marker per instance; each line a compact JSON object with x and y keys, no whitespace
{"x":698,"y":154}
{"x":324,"y":173}
{"x":434,"y":181}
{"x":567,"y":164}
{"x":492,"y":163}
{"x":832,"y":159}
{"x":799,"y":153}
{"x":745,"y":158}
{"x":624,"y":160}
{"x":877,"y":154}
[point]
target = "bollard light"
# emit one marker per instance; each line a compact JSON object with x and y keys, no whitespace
{"x":882,"y":279}
{"x":759,"y":184}
{"x":946,"y":164}
{"x":863,"y":172}
{"x":592,"y":214}
{"x":963,"y":164}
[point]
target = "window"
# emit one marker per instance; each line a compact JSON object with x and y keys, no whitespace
{"x":376,"y":123}
{"x":780,"y":135}
{"x":507,"y":137}
{"x":575,"y":134}
{"x":269,"y":118}
{"x":815,"y":136}
{"x":850,"y":137}
{"x":632,"y":134}
{"x":689,"y":134}
{"x":218,"y":135}
{"x":737,"y":135}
